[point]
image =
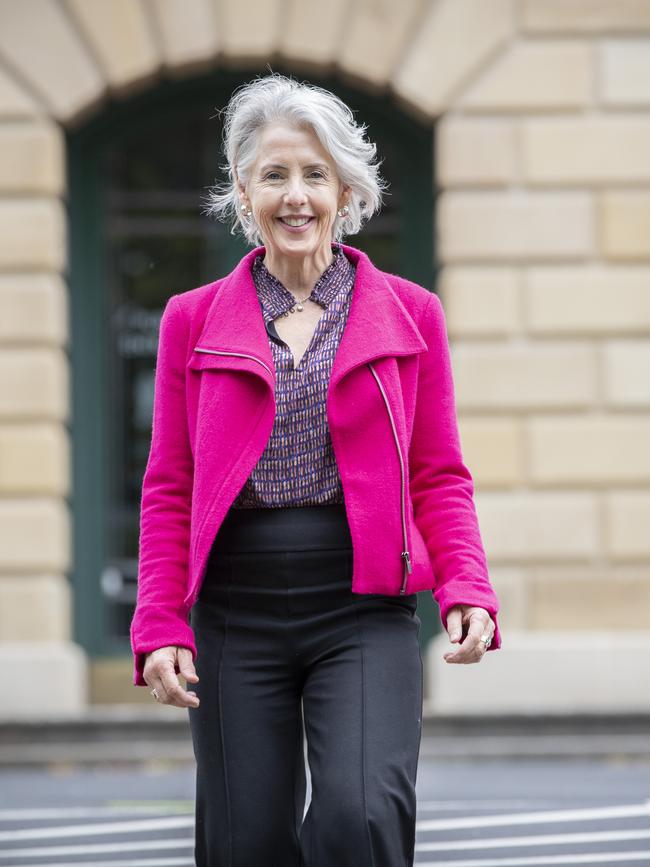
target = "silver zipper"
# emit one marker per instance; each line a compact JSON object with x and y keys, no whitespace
{"x":239,"y":354}
{"x":405,"y":555}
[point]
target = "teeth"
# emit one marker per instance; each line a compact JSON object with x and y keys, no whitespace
{"x":296,"y":221}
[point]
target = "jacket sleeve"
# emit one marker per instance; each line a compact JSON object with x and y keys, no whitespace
{"x":442,"y":487}
{"x":161,"y":618}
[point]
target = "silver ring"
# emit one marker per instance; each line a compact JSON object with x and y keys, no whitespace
{"x":154,"y":693}
{"x":487,"y":640}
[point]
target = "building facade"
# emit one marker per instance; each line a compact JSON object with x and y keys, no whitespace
{"x":517,"y":138}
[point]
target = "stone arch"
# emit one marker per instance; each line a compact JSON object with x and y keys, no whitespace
{"x":62,"y":59}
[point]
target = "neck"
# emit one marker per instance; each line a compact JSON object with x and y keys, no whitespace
{"x":300,"y":273}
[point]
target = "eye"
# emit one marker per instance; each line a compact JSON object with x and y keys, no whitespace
{"x":317,"y":173}
{"x":271,"y":176}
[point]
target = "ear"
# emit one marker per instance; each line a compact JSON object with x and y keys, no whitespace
{"x":344,"y":196}
{"x":240,"y":187}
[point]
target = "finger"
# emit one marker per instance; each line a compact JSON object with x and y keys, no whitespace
{"x":477,"y":626}
{"x":472,"y":648}
{"x":186,"y":664}
{"x":161,"y":693}
{"x":455,"y":624}
{"x":175,"y":693}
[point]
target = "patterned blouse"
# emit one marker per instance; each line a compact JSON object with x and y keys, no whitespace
{"x":298,"y":467}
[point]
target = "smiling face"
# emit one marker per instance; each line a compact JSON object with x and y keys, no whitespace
{"x":294,"y":193}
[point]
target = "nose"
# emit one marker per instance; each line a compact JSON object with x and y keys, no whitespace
{"x":295,"y":191}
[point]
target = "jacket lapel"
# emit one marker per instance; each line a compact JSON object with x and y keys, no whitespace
{"x":234,"y":336}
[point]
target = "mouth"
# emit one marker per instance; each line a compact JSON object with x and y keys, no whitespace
{"x":296,"y":224}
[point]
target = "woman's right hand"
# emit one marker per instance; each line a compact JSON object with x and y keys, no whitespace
{"x":160,"y":669}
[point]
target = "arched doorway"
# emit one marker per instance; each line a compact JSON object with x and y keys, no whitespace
{"x":137,"y":175}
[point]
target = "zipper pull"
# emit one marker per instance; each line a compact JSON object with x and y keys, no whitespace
{"x":407,"y":560}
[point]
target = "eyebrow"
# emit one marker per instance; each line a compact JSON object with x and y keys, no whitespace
{"x":266,"y":166}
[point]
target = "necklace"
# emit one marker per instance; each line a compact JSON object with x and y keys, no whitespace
{"x":298,"y":305}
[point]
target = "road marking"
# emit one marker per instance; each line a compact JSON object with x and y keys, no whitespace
{"x":590,"y":814}
{"x":536,"y":840}
{"x":142,"y":862}
{"x":37,"y":813}
{"x":495,"y":804}
{"x":593,"y":858}
{"x":167,"y":805}
{"x":99,"y":828}
{"x":97,"y":848}
{"x":488,"y":804}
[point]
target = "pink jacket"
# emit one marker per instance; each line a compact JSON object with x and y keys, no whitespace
{"x":392,"y":419}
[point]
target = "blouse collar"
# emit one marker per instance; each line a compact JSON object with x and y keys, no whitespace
{"x":276,"y":298}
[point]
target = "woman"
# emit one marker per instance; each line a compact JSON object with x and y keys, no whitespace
{"x":305,"y":481}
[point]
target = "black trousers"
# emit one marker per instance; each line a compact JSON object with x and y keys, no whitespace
{"x":287,"y":651}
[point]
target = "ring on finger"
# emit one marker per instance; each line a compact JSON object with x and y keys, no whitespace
{"x":154,"y":693}
{"x":486,"y":639}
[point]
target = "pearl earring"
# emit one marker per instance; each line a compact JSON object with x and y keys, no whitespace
{"x":344,"y":211}
{"x":245,"y":210}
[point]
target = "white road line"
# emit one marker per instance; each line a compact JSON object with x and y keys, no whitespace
{"x":593,"y":858}
{"x":167,"y":809}
{"x":37,"y":813}
{"x":142,"y":862}
{"x":589,"y":814}
{"x":97,"y":848}
{"x":488,"y":804}
{"x":536,"y":840}
{"x":99,"y":828}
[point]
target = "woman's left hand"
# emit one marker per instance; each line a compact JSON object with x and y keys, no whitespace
{"x":478,"y":623}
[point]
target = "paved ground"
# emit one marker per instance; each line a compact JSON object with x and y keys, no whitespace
{"x":481,"y":813}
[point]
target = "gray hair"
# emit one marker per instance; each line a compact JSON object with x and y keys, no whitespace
{"x":277,"y":97}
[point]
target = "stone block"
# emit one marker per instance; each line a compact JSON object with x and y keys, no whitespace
{"x":540,"y":526}
{"x":476,"y":152}
{"x":187,"y":33}
{"x":625,"y":72}
{"x":42,"y":45}
{"x":587,"y":150}
{"x":628,"y":520}
{"x":43,"y":680}
{"x":545,"y":672}
{"x":627,"y":373}
{"x":34,"y":535}
{"x":31,"y":158}
{"x":309,"y":36}
{"x":589,"y":449}
{"x":35,"y":608}
{"x":492,"y":449}
{"x":515,"y":376}
{"x":15,"y":102}
{"x":34,"y":459}
{"x":33,"y":308}
{"x":453,"y":41}
{"x":514,"y":226}
{"x":539,"y":75}
{"x":119,"y":33}
{"x":249,"y":30}
{"x":32,"y":234}
{"x":480,"y":301}
{"x":578,"y":599}
{"x":625,"y":225}
{"x":589,"y":299}
{"x":511,"y":587}
{"x":33,"y":384}
{"x":375,"y":36}
{"x":585,"y":16}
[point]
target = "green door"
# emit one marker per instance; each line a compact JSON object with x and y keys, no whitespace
{"x":139,"y":173}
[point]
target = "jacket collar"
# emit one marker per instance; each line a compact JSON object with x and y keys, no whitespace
{"x":378,"y":323}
